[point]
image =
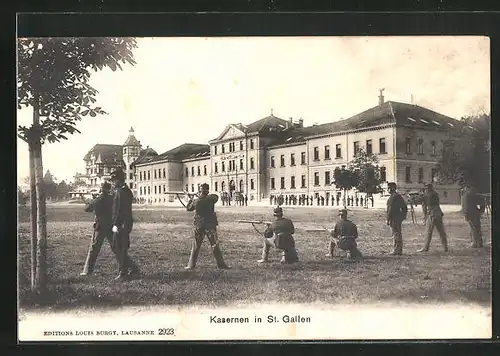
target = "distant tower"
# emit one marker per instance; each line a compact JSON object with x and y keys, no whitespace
{"x":381,"y":97}
{"x":131,"y":150}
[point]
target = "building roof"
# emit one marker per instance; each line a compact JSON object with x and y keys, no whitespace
{"x":390,"y":112}
{"x":180,"y":153}
{"x":264,"y":124}
{"x":131,"y":140}
{"x":146,"y":155}
{"x":110,"y":154}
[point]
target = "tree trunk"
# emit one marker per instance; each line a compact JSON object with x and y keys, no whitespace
{"x":41,"y":267}
{"x":33,"y":216}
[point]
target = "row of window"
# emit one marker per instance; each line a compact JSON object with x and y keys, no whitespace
{"x":198,"y":171}
{"x":232,"y":147}
{"x":156,"y":190}
{"x":146,"y":175}
{"x":420,"y":146}
{"x":420,"y":174}
{"x":232,"y":165}
{"x":327,"y":180}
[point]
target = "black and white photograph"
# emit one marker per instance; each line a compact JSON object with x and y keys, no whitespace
{"x":254,"y":188}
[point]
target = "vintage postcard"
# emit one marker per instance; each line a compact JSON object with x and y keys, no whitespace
{"x":254,"y":188}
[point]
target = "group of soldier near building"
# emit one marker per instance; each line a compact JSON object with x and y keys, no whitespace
{"x":113,"y":221}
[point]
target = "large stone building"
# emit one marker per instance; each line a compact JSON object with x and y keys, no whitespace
{"x":273,"y":156}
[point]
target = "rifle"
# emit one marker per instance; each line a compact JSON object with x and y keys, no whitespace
{"x":255,"y":222}
{"x":319,"y":229}
{"x":183,"y":193}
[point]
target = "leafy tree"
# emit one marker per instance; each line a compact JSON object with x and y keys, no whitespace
{"x":345,"y":179}
{"x":465,"y":159}
{"x":365,"y":168}
{"x":53,"y":79}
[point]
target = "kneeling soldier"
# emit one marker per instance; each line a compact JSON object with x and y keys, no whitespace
{"x":344,"y":235}
{"x":281,"y":233}
{"x":205,"y":223}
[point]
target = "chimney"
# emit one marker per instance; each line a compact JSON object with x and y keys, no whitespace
{"x":381,"y":97}
{"x":301,"y":122}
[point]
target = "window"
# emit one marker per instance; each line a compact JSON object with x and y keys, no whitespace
{"x":241,"y":145}
{"x":215,"y":150}
{"x":205,"y":170}
{"x":140,"y":175}
{"x":282,"y":160}
{"x":445,"y":194}
{"x":216,"y":167}
{"x":155,"y":189}
{"x":272,"y":162}
{"x":192,"y":187}
{"x":140,"y":191}
{"x":408,"y":145}
{"x":369,"y":147}
{"x":420,"y":146}
{"x":338,"y":150}
{"x":420,"y":175}
{"x":223,"y":149}
{"x":252,"y":184}
{"x":222,"y":186}
{"x":251,"y":145}
{"x":155,"y":173}
{"x":433,"y":174}
{"x":303,"y":181}
{"x":187,"y":171}
{"x":433,"y":147}
{"x":164,"y":174}
{"x":302,"y":158}
{"x":131,"y":176}
{"x":327,"y":152}
{"x":252,"y":164}
{"x":316,"y":178}
{"x":149,"y":190}
{"x":408,"y":174}
{"x":223,"y":167}
{"x":186,"y":188}
{"x":199,"y":171}
{"x":381,"y":145}
{"x":292,"y":159}
{"x":282,"y":182}
{"x":149,"y":175}
{"x":327,"y":178}
{"x":216,"y":186}
{"x":356,"y":147}
{"x":383,"y":174}
{"x":316,"y":153}
{"x":164,"y":188}
{"x":231,"y":147}
{"x":192,"y":171}
{"x":131,"y":185}
{"x":230,"y":168}
{"x":273,"y":186}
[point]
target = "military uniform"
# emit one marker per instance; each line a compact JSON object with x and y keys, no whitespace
{"x":344,"y":235}
{"x":396,"y":213}
{"x":434,"y":219}
{"x":102,"y":208}
{"x":123,"y":221}
{"x":472,"y":207}
{"x":205,"y":223}
{"x":280,"y":232}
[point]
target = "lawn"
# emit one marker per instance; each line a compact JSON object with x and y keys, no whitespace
{"x":161,"y":242}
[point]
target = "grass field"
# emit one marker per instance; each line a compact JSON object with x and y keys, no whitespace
{"x":161,"y":242}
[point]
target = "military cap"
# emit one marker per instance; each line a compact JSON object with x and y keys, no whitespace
{"x":205,"y":187}
{"x":343,"y":211}
{"x":106,"y":186}
{"x":391,"y":185}
{"x":278,"y":211}
{"x":118,"y":174}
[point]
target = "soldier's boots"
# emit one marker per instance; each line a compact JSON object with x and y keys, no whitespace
{"x":395,"y":253}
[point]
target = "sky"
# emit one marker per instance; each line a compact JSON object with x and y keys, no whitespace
{"x":186,"y":90}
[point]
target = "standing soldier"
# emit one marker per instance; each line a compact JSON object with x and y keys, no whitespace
{"x":281,"y":230}
{"x":102,"y":208}
{"x":434,"y":218}
{"x":344,"y":235}
{"x":396,"y":213}
{"x":205,"y":223}
{"x":472,"y":207}
{"x":122,"y":224}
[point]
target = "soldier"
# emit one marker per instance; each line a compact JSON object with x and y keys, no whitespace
{"x":344,"y":235}
{"x":281,"y":231}
{"x":434,"y":218}
{"x":205,"y":223}
{"x":102,"y":208}
{"x":122,"y":224}
{"x":396,"y":213}
{"x":472,"y":207}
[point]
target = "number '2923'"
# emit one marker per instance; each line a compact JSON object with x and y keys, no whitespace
{"x":168,"y":331}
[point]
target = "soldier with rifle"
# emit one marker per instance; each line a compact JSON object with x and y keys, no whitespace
{"x":205,"y":223}
{"x":344,"y":235}
{"x":396,"y":213}
{"x":102,"y":207}
{"x":434,"y":218}
{"x":472,"y":208}
{"x":280,"y":232}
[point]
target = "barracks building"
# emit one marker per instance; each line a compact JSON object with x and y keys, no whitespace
{"x":274,"y":156}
